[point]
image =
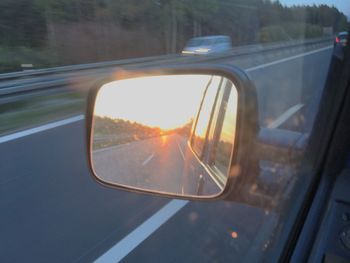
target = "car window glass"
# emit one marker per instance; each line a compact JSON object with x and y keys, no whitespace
{"x":52,"y":52}
{"x":193,"y":42}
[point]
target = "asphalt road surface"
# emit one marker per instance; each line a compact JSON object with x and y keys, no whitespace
{"x":163,"y":164}
{"x":156,"y":163}
{"x":53,"y":211}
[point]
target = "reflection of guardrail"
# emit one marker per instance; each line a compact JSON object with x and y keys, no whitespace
{"x":281,"y":146}
{"x":283,"y":44}
{"x":258,"y":48}
{"x":15,"y":85}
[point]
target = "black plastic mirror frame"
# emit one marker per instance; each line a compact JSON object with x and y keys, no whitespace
{"x":246,"y":130}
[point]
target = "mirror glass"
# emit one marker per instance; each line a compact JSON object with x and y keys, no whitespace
{"x":170,"y":134}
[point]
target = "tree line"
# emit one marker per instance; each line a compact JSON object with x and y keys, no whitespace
{"x":78,"y":31}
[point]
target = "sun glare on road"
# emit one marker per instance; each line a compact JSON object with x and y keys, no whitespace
{"x":166,"y":102}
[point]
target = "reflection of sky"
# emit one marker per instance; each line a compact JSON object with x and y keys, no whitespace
{"x":229,"y":126}
{"x":167,"y":102}
{"x":342,"y":5}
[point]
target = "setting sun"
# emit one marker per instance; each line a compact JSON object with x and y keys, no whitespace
{"x":166,"y":102}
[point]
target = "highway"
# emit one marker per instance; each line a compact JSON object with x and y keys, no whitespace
{"x":155,"y":164}
{"x":163,"y":164}
{"x":52,"y":210}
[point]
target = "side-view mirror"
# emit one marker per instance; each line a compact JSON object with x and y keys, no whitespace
{"x":176,"y":132}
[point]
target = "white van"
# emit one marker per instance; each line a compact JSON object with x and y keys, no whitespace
{"x":207,"y":45}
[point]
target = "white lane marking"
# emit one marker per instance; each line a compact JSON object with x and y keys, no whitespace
{"x":137,"y":236}
{"x":285,"y":116}
{"x":288,"y":58}
{"x":41,"y":128}
{"x":182,"y":153}
{"x":148,"y":159}
{"x":110,"y":148}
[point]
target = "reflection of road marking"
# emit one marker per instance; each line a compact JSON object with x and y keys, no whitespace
{"x":41,"y":128}
{"x":288,"y":58}
{"x":182,"y":153}
{"x":138,"y":235}
{"x":148,"y":159}
{"x":110,"y":148}
{"x":285,"y":116}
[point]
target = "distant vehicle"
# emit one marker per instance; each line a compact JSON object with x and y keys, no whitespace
{"x":207,"y":45}
{"x":341,"y":39}
{"x":340,"y":42}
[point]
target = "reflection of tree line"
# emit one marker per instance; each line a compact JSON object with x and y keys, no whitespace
{"x":109,"y":132}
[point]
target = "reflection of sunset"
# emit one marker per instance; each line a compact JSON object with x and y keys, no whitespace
{"x":167,"y":102}
{"x":229,"y":126}
{"x":164,"y":140}
{"x":234,"y":234}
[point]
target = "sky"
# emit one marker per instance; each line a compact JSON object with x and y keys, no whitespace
{"x":166,"y":102}
{"x":342,"y":5}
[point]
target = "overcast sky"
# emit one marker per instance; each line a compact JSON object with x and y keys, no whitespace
{"x":342,"y":5}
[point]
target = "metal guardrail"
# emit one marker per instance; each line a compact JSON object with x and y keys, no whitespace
{"x":18,"y":83}
{"x":258,"y":48}
{"x":235,"y":51}
{"x":63,"y":69}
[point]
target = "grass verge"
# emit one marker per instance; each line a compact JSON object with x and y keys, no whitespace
{"x":38,"y":110}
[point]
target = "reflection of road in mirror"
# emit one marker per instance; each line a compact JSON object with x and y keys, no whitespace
{"x":158,"y":164}
{"x":145,"y":164}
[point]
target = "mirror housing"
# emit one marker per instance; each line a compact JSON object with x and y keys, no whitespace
{"x":242,"y":168}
